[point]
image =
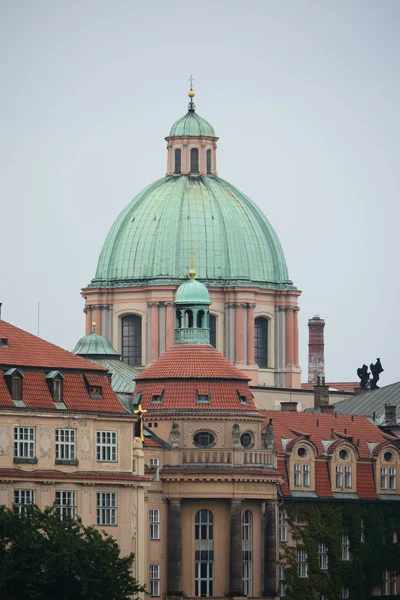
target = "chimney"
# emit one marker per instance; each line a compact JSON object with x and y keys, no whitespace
{"x":390,"y":414}
{"x":288,"y":406}
{"x":316,"y":360}
{"x":321,"y":393}
{"x":327,"y":409}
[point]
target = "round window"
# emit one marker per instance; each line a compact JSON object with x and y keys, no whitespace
{"x":343,"y":454}
{"x":245,"y":440}
{"x":302,"y":452}
{"x":388,"y":456}
{"x":204,"y":439}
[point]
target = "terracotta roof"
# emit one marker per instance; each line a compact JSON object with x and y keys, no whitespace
{"x":282,"y":471}
{"x":365,"y":481}
{"x":322,"y":482}
{"x":187,"y":361}
{"x":181,"y":396}
{"x":89,"y":475}
{"x":26,"y":350}
{"x":341,"y":386}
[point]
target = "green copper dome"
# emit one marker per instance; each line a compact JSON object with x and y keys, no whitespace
{"x":192,"y":125}
{"x":192,"y":292}
{"x":179,"y":219}
{"x":95,"y":346}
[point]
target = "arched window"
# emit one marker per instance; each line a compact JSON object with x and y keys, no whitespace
{"x":204,"y":553}
{"x":178,"y":316}
{"x":189,"y":319}
{"x":132,"y":340}
{"x":200,"y":319}
{"x":178,"y":160}
{"x":261,"y":342}
{"x":194,"y":160}
{"x":213,"y":330}
{"x":208,"y":162}
{"x":247,"y":551}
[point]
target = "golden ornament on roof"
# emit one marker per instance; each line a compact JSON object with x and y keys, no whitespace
{"x":191,"y":94}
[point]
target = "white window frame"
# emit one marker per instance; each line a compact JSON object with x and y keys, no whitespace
{"x":65,"y":444}
{"x":393,"y":582}
{"x":385,"y":583}
{"x":392,"y":478}
{"x":107,"y":446}
{"x":306,"y":475}
{"x":154,"y":520}
{"x":154,"y":575}
{"x":282,"y":580}
{"x":24,"y":442}
{"x":107,"y":508}
{"x":247,"y":552}
{"x":23,"y":498}
{"x":339,"y":476}
{"x":323,"y":556}
{"x":297,"y":475}
{"x":344,"y":593}
{"x":282,"y":526}
{"x":348,"y":477}
{"x":65,"y":503}
{"x":302,"y":567}
{"x":345,"y":554}
{"x":384,"y":478}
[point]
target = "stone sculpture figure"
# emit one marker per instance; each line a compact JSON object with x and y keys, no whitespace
{"x":269,"y":439}
{"x":175,"y":435}
{"x":235,"y":434}
{"x":363,"y":374}
{"x":376,"y":370}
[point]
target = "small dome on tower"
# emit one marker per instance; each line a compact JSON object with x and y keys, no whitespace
{"x":192,"y":292}
{"x":192,"y":125}
{"x":95,"y":346}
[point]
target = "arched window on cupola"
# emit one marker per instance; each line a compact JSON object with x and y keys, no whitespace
{"x":200,"y":319}
{"x":194,"y":160}
{"x":189,"y":319}
{"x":208,"y":162}
{"x":261,"y":342}
{"x":178,"y":161}
{"x":213,"y":330}
{"x":132,"y":340}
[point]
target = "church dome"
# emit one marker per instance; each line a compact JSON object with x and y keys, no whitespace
{"x":95,"y":346}
{"x":183,"y":219}
{"x":192,"y":125}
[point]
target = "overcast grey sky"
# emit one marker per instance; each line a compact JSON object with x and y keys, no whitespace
{"x":305,"y":97}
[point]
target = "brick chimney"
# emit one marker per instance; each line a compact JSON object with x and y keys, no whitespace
{"x":327,"y":409}
{"x":390,"y":414}
{"x":316,"y":360}
{"x":288,"y":406}
{"x":321,"y":393}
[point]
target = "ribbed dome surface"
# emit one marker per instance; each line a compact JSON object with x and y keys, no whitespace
{"x":192,"y":125}
{"x":192,"y":292}
{"x":94,"y":345}
{"x":156,"y":234}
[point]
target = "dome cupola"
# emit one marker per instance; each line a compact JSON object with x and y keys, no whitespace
{"x":192,"y":304}
{"x":94,"y":346}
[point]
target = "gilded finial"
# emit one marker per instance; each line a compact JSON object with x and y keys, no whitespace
{"x":192,"y":273}
{"x":191,"y":95}
{"x":93,"y":326}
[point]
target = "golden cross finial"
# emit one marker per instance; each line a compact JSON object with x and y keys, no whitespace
{"x":140,"y":412}
{"x":192,"y":256}
{"x":191,"y":79}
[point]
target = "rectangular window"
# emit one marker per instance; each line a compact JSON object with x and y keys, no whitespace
{"x":107,"y":508}
{"x":154,"y":462}
{"x":392,"y":478}
{"x":323,"y":556}
{"x":16,"y":388}
{"x":362,"y":536}
{"x":154,"y":580}
{"x":282,"y":529}
{"x":66,"y":504}
{"x":154,"y":523}
{"x":393,"y":583}
{"x":339,"y":476}
{"x":297,"y":475}
{"x":385,"y":583}
{"x":347,"y":477}
{"x":302,"y":563}
{"x":344,"y":593}
{"x":204,"y":573}
{"x":282,"y":581}
{"x":65,"y":444}
{"x":384,"y":478}
{"x":106,"y":446}
{"x":24,"y":442}
{"x":57,"y":390}
{"x":345,"y":547}
{"x":306,"y":476}
{"x":22,"y":498}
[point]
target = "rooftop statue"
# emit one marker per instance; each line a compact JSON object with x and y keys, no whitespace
{"x":363,"y":374}
{"x":376,"y":370}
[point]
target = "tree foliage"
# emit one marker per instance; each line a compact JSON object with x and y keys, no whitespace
{"x":45,"y":558}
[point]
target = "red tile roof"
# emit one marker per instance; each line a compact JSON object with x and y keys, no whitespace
{"x":341,"y":386}
{"x":365,"y":481}
{"x":322,"y":482}
{"x":27,"y":350}
{"x":113,"y":477}
{"x":192,"y":361}
{"x":282,"y":471}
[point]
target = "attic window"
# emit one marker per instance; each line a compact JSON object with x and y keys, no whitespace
{"x":55,"y":381}
{"x":14,"y":379}
{"x":95,"y":391}
{"x":137,"y":398}
{"x":203,"y":397}
{"x":3,"y":342}
{"x":157,"y":398}
{"x":242,"y":399}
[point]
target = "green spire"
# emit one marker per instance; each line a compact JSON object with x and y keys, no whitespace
{"x":192,"y":304}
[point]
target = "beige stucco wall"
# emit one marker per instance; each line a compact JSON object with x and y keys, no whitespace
{"x":270,"y":399}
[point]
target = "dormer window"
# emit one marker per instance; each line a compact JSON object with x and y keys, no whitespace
{"x":95,"y":392}
{"x":242,"y":399}
{"x":158,"y":397}
{"x":55,"y":381}
{"x":14,"y":379}
{"x":4,"y":342}
{"x":203,"y":395}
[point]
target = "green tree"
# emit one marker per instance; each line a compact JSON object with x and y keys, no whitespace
{"x":45,"y":558}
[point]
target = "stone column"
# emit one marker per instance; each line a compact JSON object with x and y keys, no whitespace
{"x":270,"y":549}
{"x":88,"y":312}
{"x":214,"y":160}
{"x":203,"y":165}
{"x":250,"y":334}
{"x":289,"y":336}
{"x":148,"y":333}
{"x":185,"y":159}
{"x":154,"y":331}
{"x":174,"y":548}
{"x":236,"y":559}
{"x":296,"y":336}
{"x":239,"y":333}
{"x":170,"y":325}
{"x":97,"y":318}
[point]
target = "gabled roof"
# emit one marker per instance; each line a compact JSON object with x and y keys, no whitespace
{"x":26,"y":350}
{"x":371,"y":402}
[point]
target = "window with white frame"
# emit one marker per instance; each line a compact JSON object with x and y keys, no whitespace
{"x":385,"y":583}
{"x":154,"y":518}
{"x":339,"y":476}
{"x":392,"y":478}
{"x":384,"y":478}
{"x":107,"y":508}
{"x":282,"y":581}
{"x":347,"y":477}
{"x":297,"y":475}
{"x":247,"y":550}
{"x":306,"y":476}
{"x":155,"y":464}
{"x":362,"y":535}
{"x":282,"y":526}
{"x":323,"y":556}
{"x":393,"y":582}
{"x":24,"y":442}
{"x":344,"y":593}
{"x":345,"y":547}
{"x":154,"y":580}
{"x":204,"y":553}
{"x":66,"y":504}
{"x":302,"y":563}
{"x":23,"y":498}
{"x":65,"y":444}
{"x":106,"y":446}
